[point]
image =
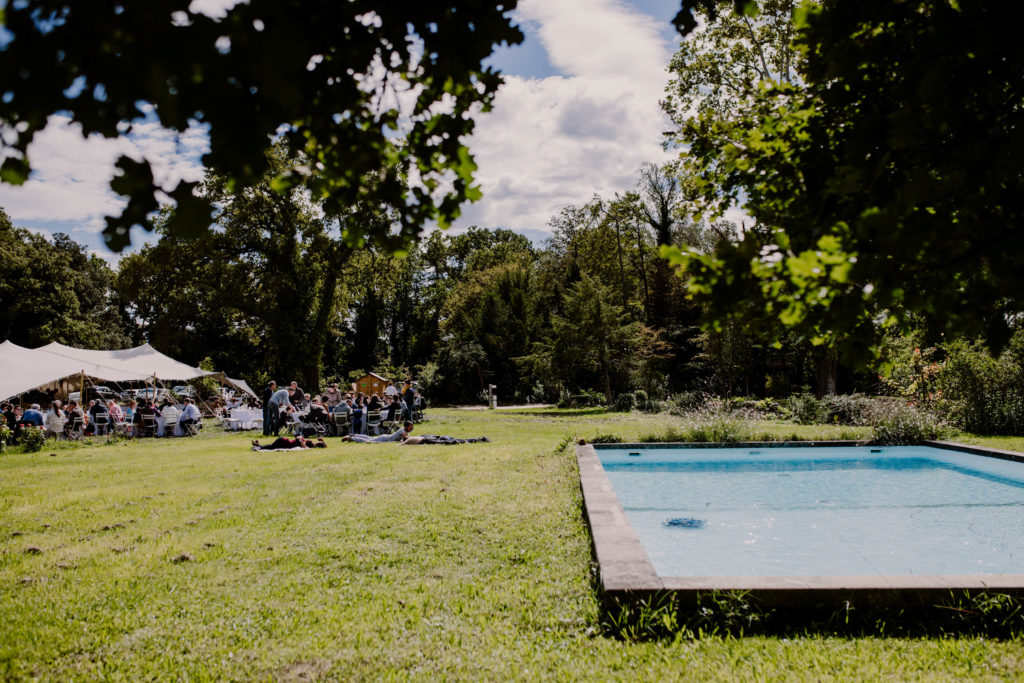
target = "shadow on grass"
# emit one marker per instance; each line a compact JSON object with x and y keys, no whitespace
{"x":662,"y":616}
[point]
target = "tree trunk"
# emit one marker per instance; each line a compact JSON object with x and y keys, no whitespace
{"x":827,"y":363}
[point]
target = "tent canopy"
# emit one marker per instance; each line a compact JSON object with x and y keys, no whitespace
{"x":23,"y":369}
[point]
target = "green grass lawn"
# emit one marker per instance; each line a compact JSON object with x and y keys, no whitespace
{"x":200,"y":559}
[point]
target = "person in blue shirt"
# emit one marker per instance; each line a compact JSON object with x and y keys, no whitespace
{"x":33,"y":416}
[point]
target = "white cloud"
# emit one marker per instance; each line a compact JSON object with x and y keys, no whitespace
{"x":559,"y":140}
{"x":71,"y":173}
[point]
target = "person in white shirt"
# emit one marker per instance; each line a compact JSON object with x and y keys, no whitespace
{"x":54,"y":419}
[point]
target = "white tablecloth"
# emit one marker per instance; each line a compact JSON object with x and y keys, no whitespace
{"x":161,"y":421}
{"x":244,"y":418}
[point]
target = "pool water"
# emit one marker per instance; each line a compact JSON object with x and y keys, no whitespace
{"x":811,"y":511}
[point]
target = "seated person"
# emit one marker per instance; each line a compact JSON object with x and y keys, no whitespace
{"x":55,"y":419}
{"x":116,"y":414}
{"x":10,"y":418}
{"x":400,"y":435}
{"x":317,"y":412}
{"x":99,"y":417}
{"x":189,"y":413}
{"x":393,"y":409}
{"x":76,"y":418}
{"x":286,"y":442}
{"x":32,"y":416}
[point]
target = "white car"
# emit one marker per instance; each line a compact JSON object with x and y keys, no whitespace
{"x":184,"y":390}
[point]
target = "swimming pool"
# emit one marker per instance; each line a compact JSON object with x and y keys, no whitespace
{"x":798,"y":517}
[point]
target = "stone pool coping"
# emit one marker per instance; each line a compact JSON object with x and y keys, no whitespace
{"x":625,"y":571}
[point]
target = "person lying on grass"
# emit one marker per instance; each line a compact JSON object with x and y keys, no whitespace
{"x":400,"y":435}
{"x":284,"y":443}
{"x":435,"y":440}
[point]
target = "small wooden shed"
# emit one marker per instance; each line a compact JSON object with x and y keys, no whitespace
{"x":370,"y":384}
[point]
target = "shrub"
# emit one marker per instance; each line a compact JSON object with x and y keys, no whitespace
{"x":605,"y":438}
{"x":716,"y":424}
{"x":847,"y":409}
{"x":625,"y":403}
{"x":688,"y":402}
{"x":805,"y":409}
{"x":901,"y":424}
{"x":982,"y":394}
{"x":643,"y":401}
{"x":33,"y":439}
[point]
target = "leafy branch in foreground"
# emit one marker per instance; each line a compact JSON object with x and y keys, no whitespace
{"x":340,"y":82}
{"x":887,"y":185}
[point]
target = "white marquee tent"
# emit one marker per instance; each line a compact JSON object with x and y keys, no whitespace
{"x":22,"y":369}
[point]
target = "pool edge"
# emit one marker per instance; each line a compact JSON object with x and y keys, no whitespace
{"x":625,"y":570}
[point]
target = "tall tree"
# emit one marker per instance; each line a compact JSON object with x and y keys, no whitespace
{"x":55,"y":291}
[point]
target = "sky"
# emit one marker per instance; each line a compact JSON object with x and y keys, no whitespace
{"x":577,"y":116}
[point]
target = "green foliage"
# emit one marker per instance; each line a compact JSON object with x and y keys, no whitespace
{"x":899,"y":424}
{"x":894,"y":179}
{"x":840,"y":409}
{"x":605,"y":438}
{"x":6,"y":436}
{"x":32,"y":439}
{"x":716,"y":423}
{"x":53,"y":290}
{"x":331,"y":75}
{"x":625,"y":402}
{"x":980,"y":393}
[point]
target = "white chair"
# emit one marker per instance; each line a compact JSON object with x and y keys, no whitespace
{"x":101,"y":424}
{"x":171,"y":422}
{"x":373,"y":422}
{"x":55,"y":427}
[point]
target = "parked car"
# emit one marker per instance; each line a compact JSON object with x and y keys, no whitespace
{"x":104,"y":392}
{"x":148,"y":394}
{"x":184,"y":390}
{"x":98,"y":391}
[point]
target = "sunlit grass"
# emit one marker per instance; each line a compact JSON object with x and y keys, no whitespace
{"x":200,"y":559}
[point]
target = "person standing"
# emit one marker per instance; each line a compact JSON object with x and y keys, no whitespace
{"x":409,"y":398}
{"x":332,"y":397}
{"x":267,"y":393}
{"x":278,"y":400}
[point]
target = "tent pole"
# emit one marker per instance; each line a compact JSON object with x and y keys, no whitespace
{"x":81,"y":393}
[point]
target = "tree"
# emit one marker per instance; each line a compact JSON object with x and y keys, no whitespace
{"x":719,"y":68}
{"x":593,"y":342}
{"x":259,"y":293}
{"x":55,"y":291}
{"x":343,"y":80}
{"x":889,"y":185}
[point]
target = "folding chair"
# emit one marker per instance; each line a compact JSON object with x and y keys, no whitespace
{"x":342,"y":426}
{"x":190,"y":428}
{"x":101,"y":424}
{"x":56,"y":428}
{"x":373,"y":422}
{"x":170,"y":424}
{"x":148,"y":424}
{"x":74,"y":428}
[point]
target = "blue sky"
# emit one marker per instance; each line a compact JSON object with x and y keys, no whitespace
{"x":577,"y":116}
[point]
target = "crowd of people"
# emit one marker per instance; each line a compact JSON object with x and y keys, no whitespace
{"x":72,"y":420}
{"x":285,"y":405}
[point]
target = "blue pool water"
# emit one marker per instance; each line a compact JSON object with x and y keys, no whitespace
{"x":811,"y":511}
